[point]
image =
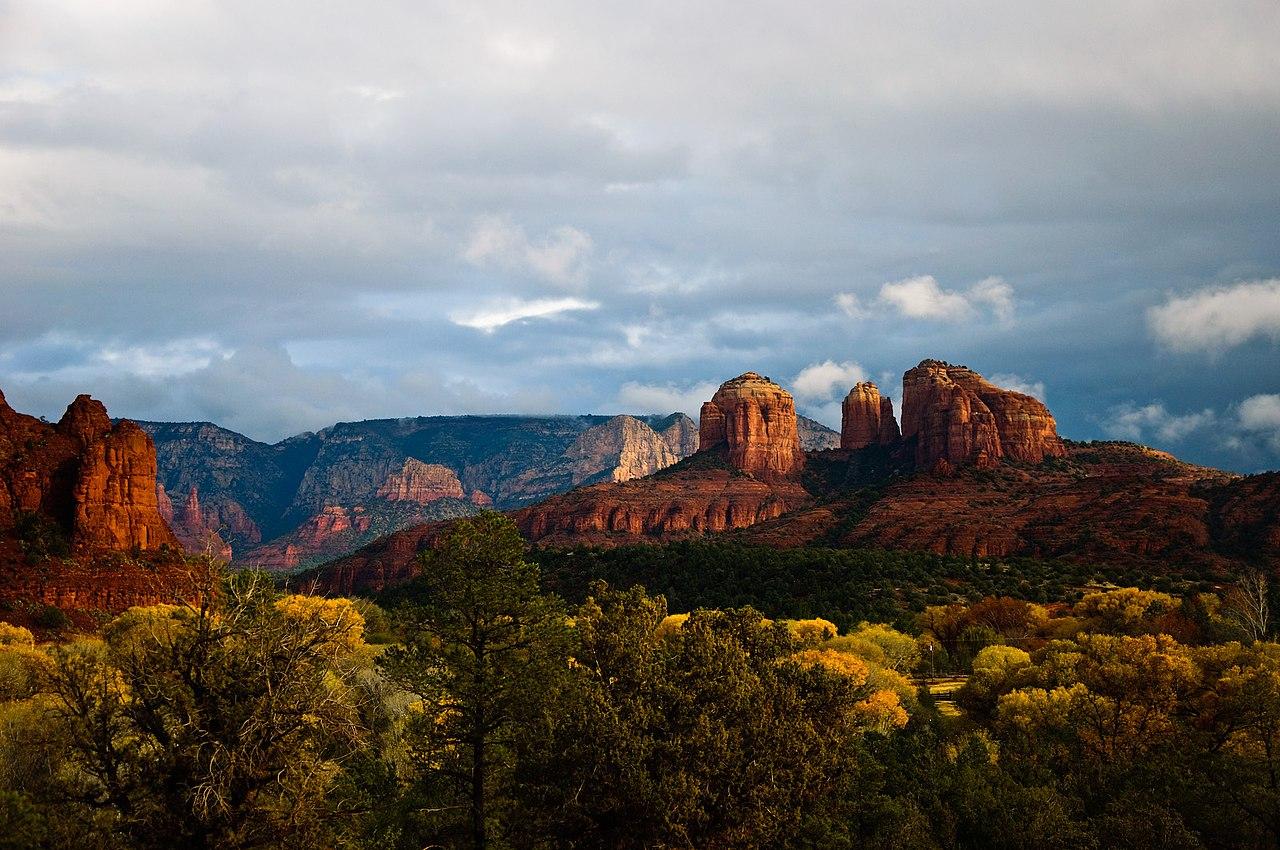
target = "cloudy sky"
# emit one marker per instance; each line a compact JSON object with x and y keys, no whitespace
{"x":279,"y":215}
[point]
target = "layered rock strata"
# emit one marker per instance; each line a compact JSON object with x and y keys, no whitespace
{"x":94,"y":479}
{"x":867,"y":418}
{"x":955,"y":416}
{"x":756,"y":420}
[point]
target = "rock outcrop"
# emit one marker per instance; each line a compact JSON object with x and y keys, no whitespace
{"x":816,"y":437}
{"x":95,"y":480}
{"x":624,"y":448}
{"x":115,"y":493}
{"x":867,"y":418}
{"x":421,"y":482}
{"x":679,"y":432}
{"x":756,"y":420}
{"x":685,"y":504}
{"x":80,"y":516}
{"x":955,"y":416}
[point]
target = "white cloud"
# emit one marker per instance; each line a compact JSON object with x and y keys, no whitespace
{"x":1218,"y":318}
{"x":177,"y":357}
{"x":1130,"y":422}
{"x":997,"y":295}
{"x":1259,"y":415}
{"x":665,"y":398}
{"x":821,"y":381}
{"x":494,"y":316}
{"x":922,"y":297}
{"x":559,"y":257}
{"x":1019,"y":384}
{"x":851,"y":305}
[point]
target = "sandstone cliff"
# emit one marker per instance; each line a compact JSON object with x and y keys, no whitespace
{"x":95,"y":480}
{"x":867,"y":418}
{"x":420,"y":482}
{"x":80,"y":517}
{"x":686,"y":503}
{"x":955,"y":416}
{"x":756,"y":419}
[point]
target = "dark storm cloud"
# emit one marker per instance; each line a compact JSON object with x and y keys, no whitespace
{"x":280,"y":215}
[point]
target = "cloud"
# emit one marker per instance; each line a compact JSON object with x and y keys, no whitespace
{"x":1218,"y":318}
{"x":1130,"y":422}
{"x":559,"y":257}
{"x":1019,"y":384}
{"x":1259,"y":416}
{"x":851,"y":305}
{"x":494,"y":316}
{"x":636,"y":397}
{"x":821,"y":381}
{"x":377,"y":94}
{"x":922,"y":297}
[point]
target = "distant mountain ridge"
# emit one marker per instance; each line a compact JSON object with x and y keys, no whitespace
{"x":320,"y":495}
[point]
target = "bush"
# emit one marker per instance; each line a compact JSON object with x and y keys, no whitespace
{"x":40,"y":537}
{"x":51,"y":617}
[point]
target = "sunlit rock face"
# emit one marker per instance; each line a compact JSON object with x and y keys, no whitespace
{"x":96,"y":479}
{"x":867,"y":418}
{"x":958,"y":417}
{"x":756,"y":419}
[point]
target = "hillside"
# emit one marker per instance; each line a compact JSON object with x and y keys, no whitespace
{"x":320,"y":495}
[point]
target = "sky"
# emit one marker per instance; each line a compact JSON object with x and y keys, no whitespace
{"x":276,"y":216}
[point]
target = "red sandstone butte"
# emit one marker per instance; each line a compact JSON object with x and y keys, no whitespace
{"x":958,"y":417}
{"x":756,"y":419}
{"x":867,"y":418}
{"x":96,"y":479}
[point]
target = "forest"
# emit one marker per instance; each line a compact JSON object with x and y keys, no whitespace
{"x":685,"y":696}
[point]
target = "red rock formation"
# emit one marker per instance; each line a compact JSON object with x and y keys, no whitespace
{"x":329,"y":531}
{"x":867,"y":418}
{"x":756,"y":419}
{"x":95,"y":480}
{"x":97,"y":483}
{"x":196,"y":528}
{"x":385,"y":562}
{"x":422,"y":483}
{"x":685,"y":504}
{"x":115,"y":493}
{"x":480,"y":499}
{"x":956,"y":417}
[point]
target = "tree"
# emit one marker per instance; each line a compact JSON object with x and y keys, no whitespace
{"x":220,"y":726}
{"x":713,"y":734}
{"x":1248,"y":604}
{"x":483,"y":648}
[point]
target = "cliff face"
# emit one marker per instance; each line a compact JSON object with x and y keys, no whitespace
{"x":867,"y":418}
{"x":816,"y":437}
{"x":678,"y":431}
{"x":756,"y":419}
{"x":956,"y":417}
{"x":689,"y":503}
{"x":97,"y":481}
{"x":94,"y":485}
{"x":624,"y":446}
{"x":274,"y":504}
{"x":420,"y":482}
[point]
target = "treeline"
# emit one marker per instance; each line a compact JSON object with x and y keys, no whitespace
{"x":845,"y":586}
{"x":480,"y":710}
